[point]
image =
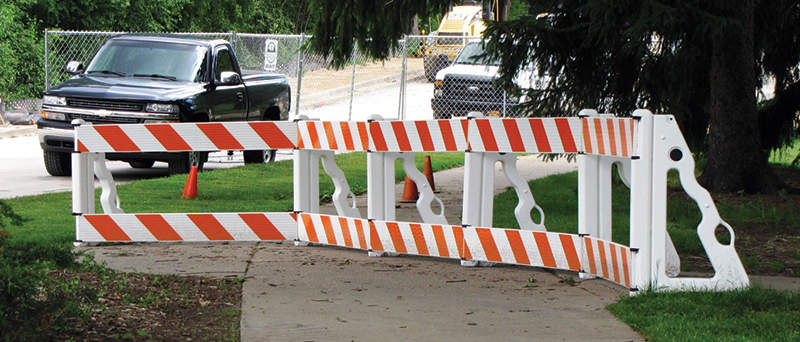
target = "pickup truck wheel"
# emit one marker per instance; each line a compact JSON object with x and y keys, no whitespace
{"x":259,"y":156}
{"x":141,"y":164}
{"x":183,"y":164}
{"x":58,"y":163}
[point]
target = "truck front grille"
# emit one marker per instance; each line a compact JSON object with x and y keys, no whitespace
{"x":104,"y":119}
{"x":108,"y":105}
{"x":471,"y":88}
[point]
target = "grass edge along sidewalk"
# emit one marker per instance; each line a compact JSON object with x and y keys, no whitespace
{"x":50,"y":222}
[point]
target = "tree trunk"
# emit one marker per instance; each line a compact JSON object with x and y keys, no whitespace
{"x":735,"y":159}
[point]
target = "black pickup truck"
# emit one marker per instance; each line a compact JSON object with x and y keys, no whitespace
{"x":152,"y":79}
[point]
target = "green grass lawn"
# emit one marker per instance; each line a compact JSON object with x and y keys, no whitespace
{"x":753,"y":314}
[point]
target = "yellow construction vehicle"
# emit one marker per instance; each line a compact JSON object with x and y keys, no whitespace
{"x":460,"y":25}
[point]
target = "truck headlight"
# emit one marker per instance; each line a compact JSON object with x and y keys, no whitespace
{"x":54,"y":100}
{"x":437,"y":88}
{"x":54,"y":116}
{"x":161,"y":108}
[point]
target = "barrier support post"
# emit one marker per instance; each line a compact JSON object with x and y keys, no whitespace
{"x":641,"y":200}
{"x":306,"y":181}
{"x":380,"y":194}
{"x":671,"y":152}
{"x":82,"y":177}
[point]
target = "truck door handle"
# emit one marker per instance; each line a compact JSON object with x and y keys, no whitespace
{"x":240,"y":96}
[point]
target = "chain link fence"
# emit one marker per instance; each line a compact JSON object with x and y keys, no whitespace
{"x":364,"y":87}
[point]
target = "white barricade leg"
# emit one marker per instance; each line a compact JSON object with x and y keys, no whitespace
{"x":82,"y":183}
{"x":381,"y":187}
{"x":306,"y":184}
{"x":588,"y":195}
{"x":526,"y":202}
{"x":478,"y":203}
{"x":471,"y":214}
{"x":670,"y":152}
{"x":588,"y":201}
{"x":673,"y":261}
{"x":642,"y":201}
{"x":306,"y":181}
{"x":342,"y":188}
{"x":380,"y":193}
{"x":426,"y":195}
{"x":82,"y":189}
{"x":108,"y":197}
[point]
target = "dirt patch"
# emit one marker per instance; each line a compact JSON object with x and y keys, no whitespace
{"x":146,"y":307}
{"x":764,"y":248}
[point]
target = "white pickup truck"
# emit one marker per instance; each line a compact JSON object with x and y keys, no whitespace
{"x":469,"y":86}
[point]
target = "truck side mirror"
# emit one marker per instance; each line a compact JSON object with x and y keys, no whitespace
{"x":74,"y":67}
{"x":229,"y":78}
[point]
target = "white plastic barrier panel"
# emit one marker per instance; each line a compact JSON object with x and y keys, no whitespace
{"x":512,"y":246}
{"x":207,"y":136}
{"x":334,"y":230}
{"x":434,"y":240}
{"x":187,"y":227}
{"x":608,"y":260}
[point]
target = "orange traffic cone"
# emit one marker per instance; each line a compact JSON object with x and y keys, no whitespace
{"x":410,"y":192}
{"x":427,"y":170}
{"x":190,"y":191}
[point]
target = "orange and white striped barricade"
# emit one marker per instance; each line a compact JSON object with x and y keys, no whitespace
{"x":607,"y":260}
{"x":187,"y":227}
{"x":435,"y":240}
{"x":92,"y":141}
{"x":393,"y":140}
{"x":319,"y":141}
{"x":523,"y":247}
{"x":596,"y":169}
{"x":608,"y":140}
{"x":498,"y":140}
{"x":333,"y":230}
{"x":661,"y":148}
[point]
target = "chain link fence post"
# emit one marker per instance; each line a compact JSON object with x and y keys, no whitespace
{"x":46,"y":61}
{"x":401,"y":110}
{"x":300,"y":59}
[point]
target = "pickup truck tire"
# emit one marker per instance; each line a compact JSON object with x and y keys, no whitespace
{"x":183,"y":164}
{"x":58,"y":163}
{"x":141,"y":164}
{"x":259,"y":156}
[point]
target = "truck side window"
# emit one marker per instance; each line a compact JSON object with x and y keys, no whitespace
{"x":224,"y":63}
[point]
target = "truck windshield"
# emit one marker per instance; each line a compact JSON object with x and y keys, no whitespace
{"x":179,"y":62}
{"x":470,"y":53}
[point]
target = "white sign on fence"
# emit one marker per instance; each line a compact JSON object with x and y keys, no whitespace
{"x":271,"y":55}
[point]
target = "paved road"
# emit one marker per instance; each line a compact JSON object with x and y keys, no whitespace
{"x":22,"y":171}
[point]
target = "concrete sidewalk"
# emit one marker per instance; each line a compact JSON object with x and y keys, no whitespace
{"x":336,"y":294}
